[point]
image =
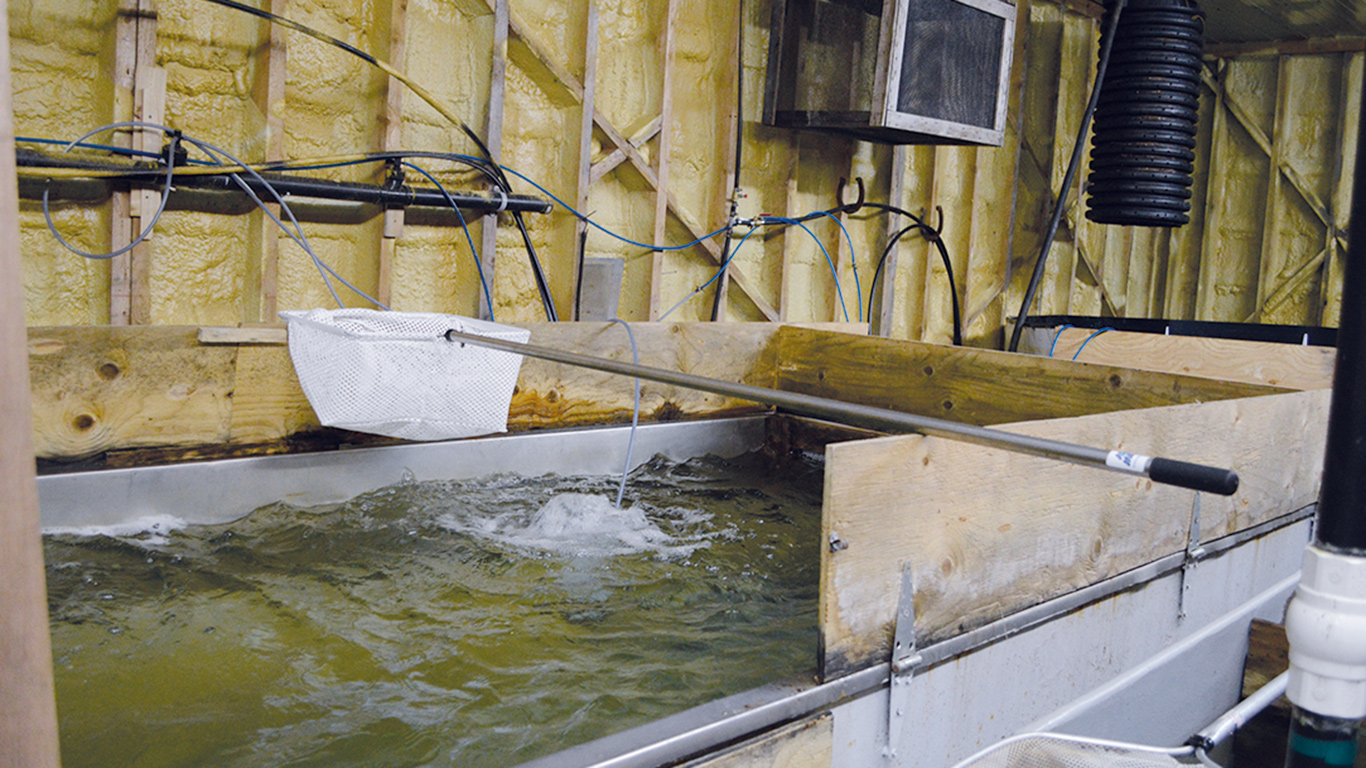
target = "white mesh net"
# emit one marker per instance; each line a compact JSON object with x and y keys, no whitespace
{"x":395,"y":374}
{"x":1041,"y":751}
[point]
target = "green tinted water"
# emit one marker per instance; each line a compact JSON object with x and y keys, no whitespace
{"x":478,"y":623}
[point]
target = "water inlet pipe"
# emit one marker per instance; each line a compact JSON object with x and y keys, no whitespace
{"x":1326,"y":619}
{"x":1182,"y":474}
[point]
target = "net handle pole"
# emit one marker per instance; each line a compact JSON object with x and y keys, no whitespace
{"x":1166,"y":471}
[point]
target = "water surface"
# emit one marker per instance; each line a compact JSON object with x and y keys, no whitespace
{"x":475,"y":623}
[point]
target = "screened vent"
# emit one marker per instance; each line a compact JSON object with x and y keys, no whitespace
{"x":895,"y":71}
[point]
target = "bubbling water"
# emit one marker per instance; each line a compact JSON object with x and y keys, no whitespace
{"x":474,"y":623}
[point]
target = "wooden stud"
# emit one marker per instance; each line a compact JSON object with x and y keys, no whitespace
{"x":666,"y":52}
{"x":589,"y":106}
{"x":262,"y":287}
{"x":791,"y":209}
{"x":493,"y":139}
{"x":1317,"y":45}
{"x":735,"y":126}
{"x":619,"y":155}
{"x":391,"y":141}
{"x":1349,"y":102}
{"x":1271,"y":257}
{"x":884,"y":320}
{"x":28,"y":712}
{"x":149,"y":105}
{"x":1219,"y":140}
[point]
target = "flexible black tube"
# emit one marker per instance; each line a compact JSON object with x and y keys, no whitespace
{"x":323,"y":189}
{"x":542,"y":285}
{"x":1107,"y":41}
{"x":1342,"y":499}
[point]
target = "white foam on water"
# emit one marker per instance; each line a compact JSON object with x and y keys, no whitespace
{"x":584,"y":525}
{"x":147,"y":530}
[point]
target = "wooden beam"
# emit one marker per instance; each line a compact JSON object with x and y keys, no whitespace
{"x":1282,"y":365}
{"x":140,"y":94}
{"x":978,"y":386}
{"x":493,"y":139}
{"x":1214,"y":210}
{"x":1271,"y":257}
{"x":589,"y":107}
{"x":533,"y":58}
{"x":661,"y":185}
{"x":28,"y":711}
{"x":987,"y":533}
{"x":97,"y":389}
{"x":619,"y":155}
{"x":391,"y":127}
{"x":1311,"y":46}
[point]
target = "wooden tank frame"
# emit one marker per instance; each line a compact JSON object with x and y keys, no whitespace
{"x":986,"y":533}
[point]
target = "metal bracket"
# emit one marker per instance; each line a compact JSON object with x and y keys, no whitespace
{"x":1194,"y":552}
{"x":904,"y":661}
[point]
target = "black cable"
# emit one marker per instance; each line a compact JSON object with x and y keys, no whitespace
{"x":536,"y":270}
{"x":1107,"y":40}
{"x":932,"y":235}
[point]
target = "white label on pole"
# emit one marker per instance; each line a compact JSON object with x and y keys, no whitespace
{"x":1136,"y":463}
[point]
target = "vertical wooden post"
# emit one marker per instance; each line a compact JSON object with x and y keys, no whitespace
{"x":735,"y":120}
{"x":149,"y":106}
{"x":28,"y":714}
{"x":134,"y":58}
{"x":589,"y":104}
{"x":493,"y":138}
{"x":262,"y":289}
{"x":883,"y":321}
{"x":392,"y":141}
{"x":666,"y":47}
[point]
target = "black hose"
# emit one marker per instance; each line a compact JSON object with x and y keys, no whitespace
{"x":1107,"y":41}
{"x":1342,"y":499}
{"x":541,"y":285}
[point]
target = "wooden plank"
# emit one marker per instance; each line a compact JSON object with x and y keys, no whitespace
{"x":590,"y":76}
{"x":493,"y":139}
{"x":533,"y":58}
{"x":391,"y":124}
{"x":149,"y":105}
{"x":264,"y":334}
{"x":121,"y":230}
{"x":1349,"y":104}
{"x":1282,"y":365}
{"x":734,"y":119}
{"x":262,"y":285}
{"x":1220,"y":161}
{"x":99,"y":388}
{"x":28,"y":712}
{"x":661,"y":185}
{"x":987,"y":533}
{"x":806,"y":744}
{"x":619,"y":155}
{"x":1311,"y":46}
{"x":977,"y":386}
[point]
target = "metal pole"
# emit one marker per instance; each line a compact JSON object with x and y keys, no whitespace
{"x":1168,"y":471}
{"x":28,"y":715}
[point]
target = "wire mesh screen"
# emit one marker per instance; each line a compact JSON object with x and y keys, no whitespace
{"x":1051,"y":752}
{"x":951,"y":63}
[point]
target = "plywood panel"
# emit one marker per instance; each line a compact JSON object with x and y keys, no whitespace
{"x":988,"y":533}
{"x":1282,"y":365}
{"x":977,"y":386}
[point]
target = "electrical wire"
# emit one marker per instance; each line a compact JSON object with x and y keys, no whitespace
{"x":853,"y":260}
{"x":1054,"y":346}
{"x":156,"y":217}
{"x":297,"y":235}
{"x":833,"y":274}
{"x":635,"y":411}
{"x":1086,"y":341}
{"x":87,"y":145}
{"x":488,"y":297}
{"x":1107,"y":40}
{"x":715,"y":276}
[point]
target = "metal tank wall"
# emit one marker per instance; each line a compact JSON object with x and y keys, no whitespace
{"x":626,"y":110}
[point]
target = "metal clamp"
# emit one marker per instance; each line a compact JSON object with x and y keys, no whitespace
{"x":905,"y":659}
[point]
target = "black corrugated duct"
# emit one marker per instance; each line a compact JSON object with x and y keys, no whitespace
{"x":1143,"y":143}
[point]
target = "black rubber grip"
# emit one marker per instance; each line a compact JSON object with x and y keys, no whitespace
{"x":1197,"y":477}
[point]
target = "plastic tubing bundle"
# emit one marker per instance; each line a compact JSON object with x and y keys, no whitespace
{"x":1143,"y":145}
